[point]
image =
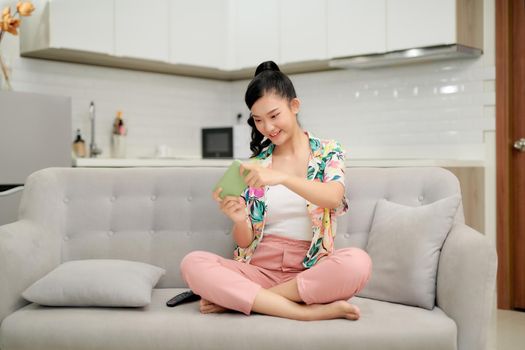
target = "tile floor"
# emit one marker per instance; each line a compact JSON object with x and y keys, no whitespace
{"x":507,"y":331}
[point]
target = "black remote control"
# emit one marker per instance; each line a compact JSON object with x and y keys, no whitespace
{"x":184,"y":297}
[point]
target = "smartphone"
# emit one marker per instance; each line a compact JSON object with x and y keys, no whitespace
{"x":232,"y":182}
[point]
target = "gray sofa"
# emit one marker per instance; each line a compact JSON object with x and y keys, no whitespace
{"x":157,"y":215}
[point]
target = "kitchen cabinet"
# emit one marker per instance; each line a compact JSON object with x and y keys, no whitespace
{"x":82,"y":25}
{"x":256,"y":35}
{"x":302,"y":30}
{"x":141,"y":29}
{"x":355,"y":27}
{"x":200,"y":33}
{"x":420,"y":23}
{"x":227,"y":39}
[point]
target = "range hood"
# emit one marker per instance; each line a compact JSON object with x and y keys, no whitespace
{"x":406,"y":56}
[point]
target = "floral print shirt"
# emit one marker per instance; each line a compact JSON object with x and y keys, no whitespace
{"x":326,"y":163}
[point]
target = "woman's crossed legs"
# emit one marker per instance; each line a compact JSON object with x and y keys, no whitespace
{"x":313,"y":294}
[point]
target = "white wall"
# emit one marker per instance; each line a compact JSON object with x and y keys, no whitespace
{"x":388,"y":112}
{"x":399,"y":112}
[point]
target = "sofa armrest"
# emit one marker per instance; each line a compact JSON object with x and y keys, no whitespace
{"x":466,"y":281}
{"x":27,"y":252}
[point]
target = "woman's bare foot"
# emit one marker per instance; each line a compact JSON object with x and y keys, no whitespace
{"x":336,"y":309}
{"x":207,"y":307}
{"x":351,"y":311}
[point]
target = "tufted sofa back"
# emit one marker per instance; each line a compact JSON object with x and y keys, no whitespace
{"x":157,"y":215}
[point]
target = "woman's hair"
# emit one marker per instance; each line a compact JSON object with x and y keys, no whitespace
{"x":268,"y":78}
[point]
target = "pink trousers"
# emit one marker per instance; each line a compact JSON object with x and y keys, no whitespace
{"x":233,"y":284}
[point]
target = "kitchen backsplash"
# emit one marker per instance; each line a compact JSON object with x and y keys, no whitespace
{"x":158,"y":109}
{"x":436,"y":110}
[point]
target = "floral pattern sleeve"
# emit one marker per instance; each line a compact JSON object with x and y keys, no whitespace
{"x":334,"y":170}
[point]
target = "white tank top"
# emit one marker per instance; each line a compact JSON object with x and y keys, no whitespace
{"x":287,"y":214}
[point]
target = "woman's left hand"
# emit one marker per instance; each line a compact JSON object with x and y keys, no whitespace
{"x":259,"y":176}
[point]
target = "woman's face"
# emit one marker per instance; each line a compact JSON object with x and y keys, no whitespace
{"x":275,"y":117}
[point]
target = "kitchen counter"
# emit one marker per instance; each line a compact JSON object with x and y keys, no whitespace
{"x":197,"y":162}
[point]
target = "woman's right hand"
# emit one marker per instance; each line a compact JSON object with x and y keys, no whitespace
{"x":231,"y":206}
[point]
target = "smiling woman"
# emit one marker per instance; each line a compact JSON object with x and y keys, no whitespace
{"x":295,"y":191}
{"x":278,"y":93}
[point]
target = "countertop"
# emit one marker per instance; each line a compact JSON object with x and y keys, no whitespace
{"x":198,"y":162}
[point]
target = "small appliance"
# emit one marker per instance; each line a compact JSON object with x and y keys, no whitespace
{"x":217,"y":142}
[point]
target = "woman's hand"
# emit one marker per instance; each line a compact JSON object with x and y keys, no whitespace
{"x":259,"y":176}
{"x":231,"y":206}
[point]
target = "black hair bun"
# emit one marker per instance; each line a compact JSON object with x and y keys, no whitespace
{"x":267,"y":65}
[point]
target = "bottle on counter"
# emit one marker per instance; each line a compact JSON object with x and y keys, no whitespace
{"x":118,"y":137}
{"x":79,"y":146}
{"x":118,"y":125}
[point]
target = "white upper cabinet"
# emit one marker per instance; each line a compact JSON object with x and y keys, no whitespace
{"x":256,"y":35}
{"x":227,"y":39}
{"x":82,"y":25}
{"x":141,"y":29}
{"x":303,"y":30}
{"x":200,"y":33}
{"x":419,"y":23}
{"x":355,"y":27}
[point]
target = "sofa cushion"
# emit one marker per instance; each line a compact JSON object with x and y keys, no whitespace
{"x":404,"y":245}
{"x":96,"y":282}
{"x":157,"y":327}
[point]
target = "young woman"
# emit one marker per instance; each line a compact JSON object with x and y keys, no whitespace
{"x":284,"y":224}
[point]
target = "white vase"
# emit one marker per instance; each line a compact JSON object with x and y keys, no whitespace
{"x":118,"y":146}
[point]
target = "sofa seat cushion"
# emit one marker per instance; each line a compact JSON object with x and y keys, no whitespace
{"x":382,"y":325}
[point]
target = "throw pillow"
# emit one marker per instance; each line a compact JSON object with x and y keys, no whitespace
{"x":404,"y":244}
{"x":96,"y":282}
